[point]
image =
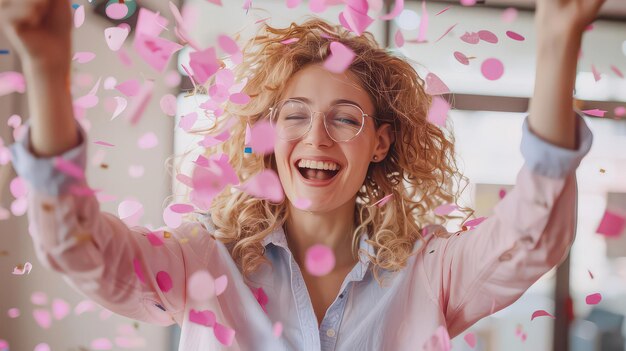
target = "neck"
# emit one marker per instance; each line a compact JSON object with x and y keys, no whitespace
{"x":333,"y":229}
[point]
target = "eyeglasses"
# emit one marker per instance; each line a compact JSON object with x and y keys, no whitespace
{"x":292,"y":119}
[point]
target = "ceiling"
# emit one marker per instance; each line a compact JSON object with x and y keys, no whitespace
{"x":611,"y":10}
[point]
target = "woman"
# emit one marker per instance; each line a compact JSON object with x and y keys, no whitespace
{"x":390,"y":288}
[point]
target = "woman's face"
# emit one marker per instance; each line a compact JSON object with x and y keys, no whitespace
{"x":321,"y":89}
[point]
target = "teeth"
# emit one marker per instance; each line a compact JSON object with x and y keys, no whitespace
{"x":330,"y":166}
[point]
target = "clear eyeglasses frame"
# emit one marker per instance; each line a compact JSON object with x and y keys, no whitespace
{"x":347,"y":120}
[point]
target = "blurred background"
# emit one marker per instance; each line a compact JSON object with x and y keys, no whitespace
{"x":38,"y":310}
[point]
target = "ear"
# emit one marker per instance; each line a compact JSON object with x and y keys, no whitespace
{"x":385,"y":137}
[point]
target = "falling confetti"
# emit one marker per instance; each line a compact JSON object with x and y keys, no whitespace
{"x":541,"y":313}
{"x":612,"y":224}
{"x":340,"y":58}
{"x":319,"y":260}
{"x":593,"y":299}
{"x":492,"y":69}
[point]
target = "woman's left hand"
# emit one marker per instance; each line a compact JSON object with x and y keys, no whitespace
{"x":557,"y":18}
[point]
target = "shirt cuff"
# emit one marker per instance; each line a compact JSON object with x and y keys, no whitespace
{"x":554,"y":161}
{"x":40,"y":172}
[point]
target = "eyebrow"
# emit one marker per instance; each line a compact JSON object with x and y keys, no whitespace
{"x":334,"y":102}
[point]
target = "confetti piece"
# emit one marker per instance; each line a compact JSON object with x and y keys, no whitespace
{"x":103,"y":143}
{"x":101,"y":344}
{"x":86,"y":102}
{"x":79,"y":16}
{"x":4,"y":345}
{"x":4,"y":52}
{"x":383,"y":201}
{"x":138,"y":270}
{"x":115,"y":37}
{"x":172,"y":219}
{"x":468,"y":2}
{"x":204,"y":64}
{"x":620,"y":111}
{"x":470,"y":339}
{"x":154,"y":240}
{"x":220,"y":284}
{"x":340,"y":58}
{"x":319,"y":260}
{"x":435,"y":86}
{"x":461,"y":58}
{"x":423,"y":27}
{"x":398,"y":39}
{"x":264,"y":185}
{"x":206,"y":318}
{"x":474,"y":222}
{"x":302,"y":203}
{"x":187,"y":121}
{"x":355,"y":19}
{"x":438,"y":112}
{"x":18,"y":187}
{"x":60,"y":309}
{"x":515,"y":36}
{"x":42,"y":346}
{"x":470,"y":38}
{"x":289,"y":41}
{"x":201,"y":286}
{"x":22,"y":269}
{"x":116,"y":11}
{"x":155,"y":51}
{"x":164,"y":281}
{"x":502,"y":193}
{"x":442,"y":11}
{"x":12,"y":82}
{"x":439,"y":341}
{"x":19,"y":206}
{"x":617,"y":71}
{"x":224,"y":334}
{"x":277,"y":329}
{"x":84,"y":306}
{"x":593,"y":299}
{"x":444,"y":210}
{"x":446,"y":32}
{"x":541,"y":313}
{"x":129,"y":88}
{"x":42,"y":317}
{"x":492,"y":69}
{"x":596,"y":73}
{"x":590,"y":274}
{"x":611,"y":225}
{"x":509,"y":15}
{"x":139,"y":104}
{"x":239,"y":98}
{"x":168,"y":104}
{"x":136,"y":171}
{"x":487,"y":36}
{"x":130,"y":211}
{"x":261,"y":297}
{"x":262,"y":137}
{"x":13,"y":313}
{"x":84,"y":56}
{"x":595,"y":112}
{"x":69,"y":168}
{"x":148,"y":141}
{"x":120,"y":105}
{"x":227,"y":44}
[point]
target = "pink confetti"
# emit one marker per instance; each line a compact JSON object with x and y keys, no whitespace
{"x":442,"y":11}
{"x":206,"y":318}
{"x":39,"y":298}
{"x":596,"y":74}
{"x":84,"y":56}
{"x":383,"y":201}
{"x":87,"y":101}
{"x":355,"y":19}
{"x":502,"y":193}
{"x":439,"y":341}
{"x":515,"y":36}
{"x":461,"y":58}
{"x":399,"y":39}
{"x":470,"y":38}
{"x":444,"y":210}
{"x":302,"y":203}
{"x":438,"y":112}
{"x":13,"y":313}
{"x":201,"y":286}
{"x":319,"y":260}
{"x":593,"y":299}
{"x":261,"y":297}
{"x":60,"y":309}
{"x":103,"y":143}
{"x":470,"y":339}
{"x":487,"y":36}
{"x":474,"y":222}
{"x":435,"y":86}
{"x":12,"y":82}
{"x":154,"y":240}
{"x":220,"y":285}
{"x":18,"y":187}
{"x":168,"y":104}
{"x":446,"y":32}
{"x":224,"y":334}
{"x":617,"y":71}
{"x":136,"y":171}
{"x":181,"y":208}
{"x":164,"y":281}
{"x":541,"y":313}
{"x":289,"y":41}
{"x":187,"y":121}
{"x":264,"y":185}
{"x":612,"y":224}
{"x":204,"y":64}
{"x":340,"y":58}
{"x":492,"y":69}
{"x":68,"y":168}
{"x":84,"y":306}
{"x":595,"y":112}
{"x":101,"y":344}
{"x":172,"y":219}
{"x":509,"y":15}
{"x":468,"y":2}
{"x":42,"y":317}
{"x":227,"y":44}
{"x":138,"y":270}
{"x":262,"y":137}
{"x":129,"y":88}
{"x":25,"y":269}
{"x":423,"y":27}
{"x":148,"y":141}
{"x":130,"y":211}
{"x":79,"y":16}
{"x":19,"y":206}
{"x":4,"y":345}
{"x":240,"y":98}
{"x":117,"y":11}
{"x":115,"y":37}
{"x":42,"y":346}
{"x":277,"y":330}
{"x":155,"y":51}
{"x":620,"y":111}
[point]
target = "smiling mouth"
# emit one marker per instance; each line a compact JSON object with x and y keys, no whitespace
{"x":317,"y":174}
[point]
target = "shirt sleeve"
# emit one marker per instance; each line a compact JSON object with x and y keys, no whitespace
{"x":478,"y":272}
{"x":131,"y":271}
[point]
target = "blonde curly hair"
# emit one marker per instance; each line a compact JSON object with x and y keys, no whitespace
{"x":419,"y":171}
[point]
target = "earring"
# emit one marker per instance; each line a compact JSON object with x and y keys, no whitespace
{"x":375,"y":158}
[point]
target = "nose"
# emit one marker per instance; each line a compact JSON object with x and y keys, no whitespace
{"x":317,"y":135}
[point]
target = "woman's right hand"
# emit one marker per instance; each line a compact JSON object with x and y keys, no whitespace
{"x":39,"y":30}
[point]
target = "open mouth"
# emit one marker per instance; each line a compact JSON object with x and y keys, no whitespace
{"x":315,"y":172}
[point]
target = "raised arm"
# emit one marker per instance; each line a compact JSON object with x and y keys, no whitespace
{"x":559,"y":26}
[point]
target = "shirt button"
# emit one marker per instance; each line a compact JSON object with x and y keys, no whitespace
{"x":330,"y":333}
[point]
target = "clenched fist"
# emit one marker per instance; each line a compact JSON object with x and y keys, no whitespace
{"x":39,"y":30}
